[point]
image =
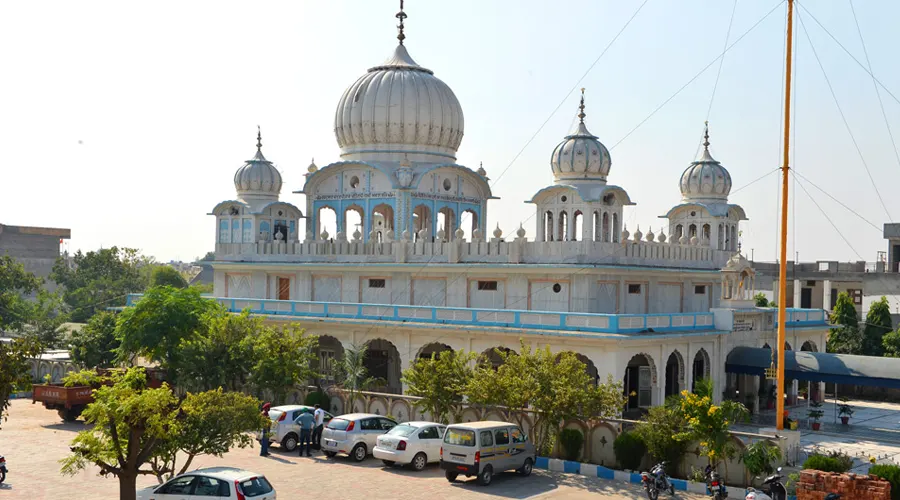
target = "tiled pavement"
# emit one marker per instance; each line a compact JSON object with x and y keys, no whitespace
{"x":34,"y":439}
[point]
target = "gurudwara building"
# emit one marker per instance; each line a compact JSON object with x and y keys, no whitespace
{"x":656,"y":311}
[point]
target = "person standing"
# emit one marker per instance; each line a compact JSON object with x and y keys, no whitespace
{"x":264,"y":442}
{"x":320,"y":423}
{"x":306,"y":421}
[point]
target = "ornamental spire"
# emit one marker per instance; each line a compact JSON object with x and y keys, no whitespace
{"x":706,"y":136}
{"x":401,"y":16}
{"x":258,"y":139}
{"x":581,"y":114}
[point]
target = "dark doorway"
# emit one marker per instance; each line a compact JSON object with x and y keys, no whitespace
{"x":376,"y":364}
{"x":834,"y":294}
{"x":806,"y":298}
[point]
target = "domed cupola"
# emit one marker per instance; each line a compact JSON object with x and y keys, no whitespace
{"x":399,"y":108}
{"x":580,"y":156}
{"x":257,"y":179}
{"x":705,"y":180}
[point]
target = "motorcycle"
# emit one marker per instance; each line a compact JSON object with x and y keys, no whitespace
{"x":2,"y":469}
{"x":656,"y":480}
{"x":715,"y":487}
{"x":777,"y":491}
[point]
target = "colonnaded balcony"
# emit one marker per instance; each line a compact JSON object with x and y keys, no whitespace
{"x":567,"y":322}
{"x":495,"y":250}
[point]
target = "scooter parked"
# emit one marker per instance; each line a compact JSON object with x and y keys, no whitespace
{"x":777,"y":491}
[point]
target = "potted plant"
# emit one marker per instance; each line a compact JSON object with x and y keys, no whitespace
{"x":845,"y":411}
{"x":804,"y":393}
{"x":815,"y":413}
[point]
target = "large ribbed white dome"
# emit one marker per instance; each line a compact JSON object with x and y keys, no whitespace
{"x":705,"y":179}
{"x":257,"y":178}
{"x":397,"y":108}
{"x":580,"y":156}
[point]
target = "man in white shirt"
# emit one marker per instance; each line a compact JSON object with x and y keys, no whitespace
{"x":317,"y":431}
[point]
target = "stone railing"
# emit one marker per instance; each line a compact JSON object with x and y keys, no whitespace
{"x":496,"y":250}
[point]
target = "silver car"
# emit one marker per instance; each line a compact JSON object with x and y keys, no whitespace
{"x":284,"y":431}
{"x":355,"y":434}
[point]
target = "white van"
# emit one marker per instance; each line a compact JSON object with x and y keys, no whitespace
{"x":482,"y":449}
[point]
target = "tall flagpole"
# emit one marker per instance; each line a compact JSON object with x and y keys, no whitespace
{"x":782,"y":274}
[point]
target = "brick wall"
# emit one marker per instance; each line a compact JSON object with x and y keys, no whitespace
{"x":814,"y":485}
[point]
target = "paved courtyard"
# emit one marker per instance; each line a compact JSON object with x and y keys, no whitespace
{"x":34,"y":439}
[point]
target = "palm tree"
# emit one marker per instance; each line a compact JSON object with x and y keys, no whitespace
{"x":352,"y":374}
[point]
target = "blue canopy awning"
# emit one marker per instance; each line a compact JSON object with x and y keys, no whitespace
{"x":818,"y":366}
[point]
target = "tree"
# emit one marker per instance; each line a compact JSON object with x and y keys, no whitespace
{"x":891,"y":344}
{"x":101,"y":279}
{"x":15,"y":284}
{"x":129,"y":421}
{"x":845,"y":337}
{"x":761,"y":300}
{"x":15,"y":369}
{"x":283,"y":358}
{"x":440,"y":381}
{"x":46,"y":319}
{"x":159,"y":322}
{"x":209,"y":257}
{"x":223,"y":355}
{"x":352,"y":375}
{"x":659,"y":430}
{"x":708,"y":423}
{"x":167,"y":276}
{"x":878,"y":324}
{"x":96,"y":345}
{"x":556,"y":386}
{"x":210,"y":423}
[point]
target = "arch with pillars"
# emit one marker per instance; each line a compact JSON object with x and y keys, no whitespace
{"x":674,"y":374}
{"x":433,"y":348}
{"x":382,"y":362}
{"x":491,"y":356}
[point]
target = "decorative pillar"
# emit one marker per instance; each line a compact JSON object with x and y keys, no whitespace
{"x":826,"y":295}
{"x":797,"y":293}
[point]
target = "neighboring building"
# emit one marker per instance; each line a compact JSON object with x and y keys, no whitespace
{"x":655,"y":310}
{"x":815,"y":285}
{"x":37,"y":248}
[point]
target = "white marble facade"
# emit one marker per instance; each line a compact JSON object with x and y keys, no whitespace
{"x":399,"y":127}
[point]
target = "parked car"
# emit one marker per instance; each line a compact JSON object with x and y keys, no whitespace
{"x":354,"y":434}
{"x":284,"y":431}
{"x":227,"y":482}
{"x":411,"y":443}
{"x":482,"y":449}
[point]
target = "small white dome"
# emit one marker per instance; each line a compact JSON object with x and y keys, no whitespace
{"x":580,"y":156}
{"x":705,"y":179}
{"x":399,"y":107}
{"x":257,"y":178}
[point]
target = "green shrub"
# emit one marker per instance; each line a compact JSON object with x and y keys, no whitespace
{"x":759,"y":457}
{"x":83,"y":377}
{"x":630,"y":450}
{"x":825,"y":463}
{"x":318,"y":398}
{"x":571,"y":441}
{"x":891,"y":474}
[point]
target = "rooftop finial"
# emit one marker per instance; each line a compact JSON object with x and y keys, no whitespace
{"x":706,"y":135}
{"x":258,"y":138}
{"x":581,"y":114}
{"x":401,"y":16}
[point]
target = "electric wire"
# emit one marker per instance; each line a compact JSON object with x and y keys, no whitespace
{"x":887,"y":122}
{"x":697,"y":75}
{"x":712,"y":97}
{"x":843,"y":117}
{"x":839,"y":202}
{"x":833,"y":225}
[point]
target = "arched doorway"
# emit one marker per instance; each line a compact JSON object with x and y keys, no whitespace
{"x":809,"y":346}
{"x":354,"y":221}
{"x":382,"y":362}
{"x":326,"y":222}
{"x":329,"y":353}
{"x":589,"y":366}
{"x":674,"y":374}
{"x":491,"y":357}
{"x":434,"y":349}
{"x":422,"y":220}
{"x":382,"y":220}
{"x":640,"y":377}
{"x":699,"y":368}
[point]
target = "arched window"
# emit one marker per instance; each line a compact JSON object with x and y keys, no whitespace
{"x":721,"y":237}
{"x":599,"y":234}
{"x":615,"y":228}
{"x":706,"y":230}
{"x":692,"y":230}
{"x":577,"y":225}
{"x":548,"y":226}
{"x":606,"y":227}
{"x":679,"y":232}
{"x":563,"y":233}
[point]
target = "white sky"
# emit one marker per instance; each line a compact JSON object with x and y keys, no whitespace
{"x":125,"y":121}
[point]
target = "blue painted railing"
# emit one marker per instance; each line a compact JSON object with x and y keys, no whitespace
{"x":803,"y":317}
{"x":532,"y":320}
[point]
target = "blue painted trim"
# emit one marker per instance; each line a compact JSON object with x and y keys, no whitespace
{"x":604,"y":473}
{"x":679,"y":484}
{"x":572,"y":467}
{"x":555,"y":267}
{"x":542,"y":463}
{"x":635,"y":477}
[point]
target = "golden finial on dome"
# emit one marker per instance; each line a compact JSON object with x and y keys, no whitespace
{"x":401,"y":16}
{"x":706,"y":135}
{"x":258,"y":138}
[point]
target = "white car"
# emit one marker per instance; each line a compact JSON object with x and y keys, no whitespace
{"x":221,"y":482}
{"x":354,"y":434}
{"x":284,"y":431}
{"x":413,"y":443}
